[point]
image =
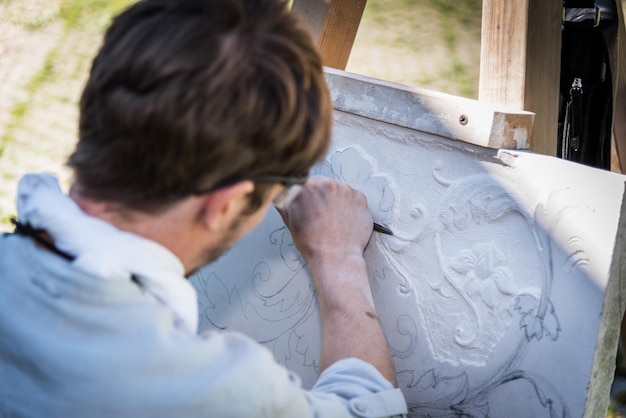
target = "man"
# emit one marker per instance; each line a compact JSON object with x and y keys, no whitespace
{"x":197,"y":116}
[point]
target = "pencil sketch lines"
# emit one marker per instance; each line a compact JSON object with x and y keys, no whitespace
{"x":278,"y":305}
{"x":537,"y":321}
{"x":443,"y":394}
{"x":288,"y":253}
{"x":215,"y":296}
{"x":406,"y":333}
{"x":452,"y":396}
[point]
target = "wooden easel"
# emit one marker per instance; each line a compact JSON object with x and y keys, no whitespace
{"x":522,"y":34}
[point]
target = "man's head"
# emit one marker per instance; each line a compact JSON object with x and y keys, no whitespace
{"x":187,"y":94}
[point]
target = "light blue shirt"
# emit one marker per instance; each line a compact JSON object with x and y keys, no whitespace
{"x":75,"y":345}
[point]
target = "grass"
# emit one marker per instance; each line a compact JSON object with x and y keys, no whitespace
{"x":456,"y":13}
{"x":77,"y":13}
{"x":407,"y":30}
{"x":20,"y":109}
{"x":74,"y":14}
{"x":39,"y":22}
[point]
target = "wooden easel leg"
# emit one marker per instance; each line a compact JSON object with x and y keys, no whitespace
{"x":333,"y":25}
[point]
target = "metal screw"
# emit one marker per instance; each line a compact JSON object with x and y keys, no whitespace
{"x":463,"y":120}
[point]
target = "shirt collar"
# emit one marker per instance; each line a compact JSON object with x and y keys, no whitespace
{"x":103,"y":250}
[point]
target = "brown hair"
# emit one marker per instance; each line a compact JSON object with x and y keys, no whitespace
{"x":187,"y":93}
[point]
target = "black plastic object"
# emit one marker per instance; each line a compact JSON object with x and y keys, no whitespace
{"x":589,"y":34}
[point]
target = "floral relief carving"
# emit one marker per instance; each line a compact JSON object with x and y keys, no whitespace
{"x":461,"y":307}
{"x":488,"y":277}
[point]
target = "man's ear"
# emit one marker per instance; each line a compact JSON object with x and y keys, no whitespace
{"x":225,"y":204}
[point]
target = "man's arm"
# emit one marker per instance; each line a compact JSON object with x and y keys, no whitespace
{"x":330,"y":224}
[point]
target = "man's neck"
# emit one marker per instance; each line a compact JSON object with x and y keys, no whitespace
{"x":172,"y":228}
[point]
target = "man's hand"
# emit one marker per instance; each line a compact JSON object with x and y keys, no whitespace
{"x":330,"y":224}
{"x":328,"y":217}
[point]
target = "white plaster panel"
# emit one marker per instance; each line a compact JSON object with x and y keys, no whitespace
{"x":491,"y":293}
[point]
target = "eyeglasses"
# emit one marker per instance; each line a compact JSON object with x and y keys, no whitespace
{"x":293,"y":186}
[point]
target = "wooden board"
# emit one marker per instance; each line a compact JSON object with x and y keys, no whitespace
{"x":432,"y":112}
{"x":520,"y":62}
{"x":333,"y":24}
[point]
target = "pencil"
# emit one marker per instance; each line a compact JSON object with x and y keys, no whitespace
{"x":382,"y":229}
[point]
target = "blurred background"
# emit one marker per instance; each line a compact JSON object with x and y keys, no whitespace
{"x":46,"y":48}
